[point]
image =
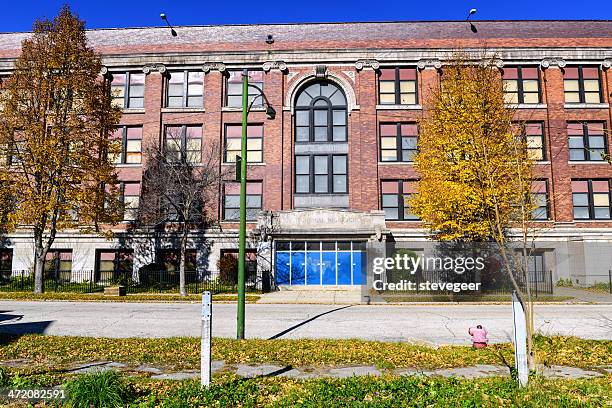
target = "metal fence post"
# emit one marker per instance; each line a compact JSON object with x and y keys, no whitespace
{"x":205,"y":349}
{"x":550,"y":282}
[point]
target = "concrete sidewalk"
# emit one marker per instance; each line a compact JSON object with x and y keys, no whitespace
{"x":430,"y":324}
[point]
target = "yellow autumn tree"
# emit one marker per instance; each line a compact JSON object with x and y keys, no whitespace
{"x":55,"y":138}
{"x":475,"y":172}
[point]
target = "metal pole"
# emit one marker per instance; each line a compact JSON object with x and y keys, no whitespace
{"x":610,"y":280}
{"x":242,"y":236}
{"x":205,"y":350}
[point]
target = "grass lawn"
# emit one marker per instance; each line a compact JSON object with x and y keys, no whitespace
{"x":99,"y":297}
{"x":381,"y":392}
{"x":184,"y":353}
{"x":386,"y":391}
{"x":49,"y":356}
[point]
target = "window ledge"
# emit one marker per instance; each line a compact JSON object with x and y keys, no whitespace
{"x":233,"y":164}
{"x":396,"y":163}
{"x":128,"y":165}
{"x":182,"y":109}
{"x":592,"y":220}
{"x":582,"y":162}
{"x":239,"y":109}
{"x":398,"y":107}
{"x":542,"y":162}
{"x":586,"y":106}
{"x":132,"y":110}
{"x":526,"y":105}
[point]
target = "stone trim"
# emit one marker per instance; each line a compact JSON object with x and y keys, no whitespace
{"x":270,"y":65}
{"x":213,"y":66}
{"x":553,"y":62}
{"x":161,"y":68}
{"x":302,"y":79}
{"x":367,"y":63}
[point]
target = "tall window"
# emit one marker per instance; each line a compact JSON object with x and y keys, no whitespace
{"x":130,"y":197}
{"x":582,"y":85}
{"x":397,"y":86}
{"x":231,"y":200}
{"x":233,"y":143}
{"x":234,"y":89}
{"x":521,"y":85}
{"x":398,"y":142}
{"x":6,"y":263}
{"x":185,"y":89}
{"x":130,"y":138}
{"x":539,"y":194}
{"x":169,"y":260}
{"x":58,"y":264}
{"x":591,"y":199}
{"x":184,"y":143}
{"x":113,"y":263}
{"x":321,"y":174}
{"x":320,"y":114}
{"x":395,"y":196}
{"x":587,"y":141}
{"x":127,"y":89}
{"x":533,"y":132}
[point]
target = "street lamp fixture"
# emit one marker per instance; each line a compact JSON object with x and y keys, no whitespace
{"x":271,"y":113}
{"x":165,"y":18}
{"x":472,"y":26}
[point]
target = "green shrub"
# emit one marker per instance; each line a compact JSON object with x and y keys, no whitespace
{"x":564,"y":283}
{"x":103,"y":389}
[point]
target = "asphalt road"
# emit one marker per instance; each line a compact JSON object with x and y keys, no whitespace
{"x":433,"y":324}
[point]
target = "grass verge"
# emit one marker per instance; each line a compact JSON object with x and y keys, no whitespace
{"x":98,"y":297}
{"x":184,"y":353}
{"x":381,"y":392}
{"x":387,"y":391}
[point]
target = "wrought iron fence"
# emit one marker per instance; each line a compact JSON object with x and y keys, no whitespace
{"x":150,"y":281}
{"x":540,"y":282}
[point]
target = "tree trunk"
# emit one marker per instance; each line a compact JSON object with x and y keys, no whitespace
{"x":182,"y":290}
{"x":39,"y":265}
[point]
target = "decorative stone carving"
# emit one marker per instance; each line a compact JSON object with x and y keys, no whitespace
{"x":350,"y":74}
{"x":607,"y":64}
{"x":270,"y":65}
{"x":161,"y":68}
{"x":213,"y":66}
{"x":296,"y":81}
{"x":429,"y":63}
{"x":552,"y":62}
{"x":370,"y":63}
{"x":321,"y":71}
{"x":321,"y":220}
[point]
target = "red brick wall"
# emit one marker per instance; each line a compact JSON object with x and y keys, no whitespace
{"x":365,"y":172}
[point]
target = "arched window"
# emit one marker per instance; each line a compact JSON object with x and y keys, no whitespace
{"x":320,"y":114}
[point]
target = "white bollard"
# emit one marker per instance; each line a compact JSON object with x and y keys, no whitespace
{"x":205,"y":351}
{"x":520,"y":341}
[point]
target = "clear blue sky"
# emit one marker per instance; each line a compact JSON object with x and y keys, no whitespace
{"x":18,"y":15}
